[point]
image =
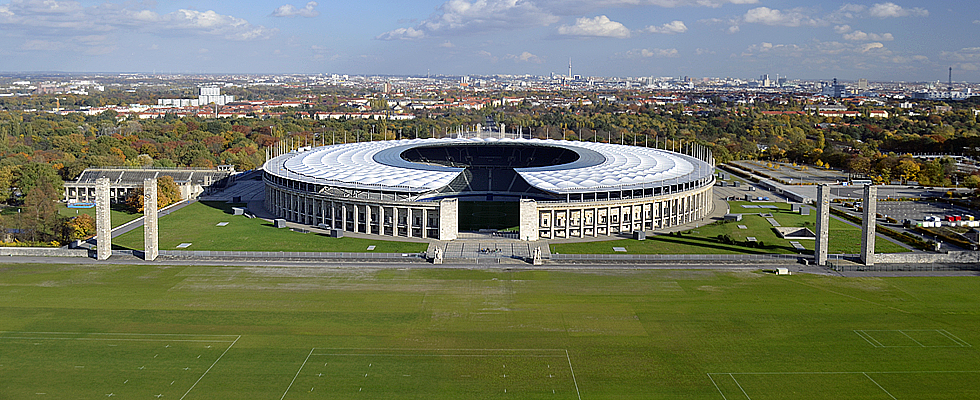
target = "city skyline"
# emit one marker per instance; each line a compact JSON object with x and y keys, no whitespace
{"x":904,"y":40}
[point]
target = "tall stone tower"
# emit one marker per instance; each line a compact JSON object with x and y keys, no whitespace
{"x":823,"y":225}
{"x":151,"y":243}
{"x":868,"y":225}
{"x":103,"y":222}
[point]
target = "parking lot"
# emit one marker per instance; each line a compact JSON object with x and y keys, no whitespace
{"x":918,"y":210}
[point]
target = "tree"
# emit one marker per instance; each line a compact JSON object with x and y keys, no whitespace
{"x":39,"y":215}
{"x":134,"y":201}
{"x":972,"y":181}
{"x":80,"y":227}
{"x":6,"y":182}
{"x":32,"y":175}
{"x":167,"y":191}
{"x":907,"y":169}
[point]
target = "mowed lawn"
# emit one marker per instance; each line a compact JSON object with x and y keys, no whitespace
{"x":118,"y":214}
{"x":844,"y":238}
{"x":197,"y":224}
{"x":155,"y":331}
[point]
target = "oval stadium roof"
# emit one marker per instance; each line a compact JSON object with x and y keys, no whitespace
{"x":379,"y":166}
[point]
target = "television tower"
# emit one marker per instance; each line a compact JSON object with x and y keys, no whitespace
{"x":569,"y":68}
{"x":950,"y":87}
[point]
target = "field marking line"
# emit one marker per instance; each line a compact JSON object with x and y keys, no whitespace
{"x":845,"y":372}
{"x":862,"y":335}
{"x":740,"y":386}
{"x":847,"y":295}
{"x":716,"y":387}
{"x":209,"y":368}
{"x":421,"y":349}
{"x":123,"y":334}
{"x":114,"y":340}
{"x":573,"y":374}
{"x":879,"y":386}
{"x":297,"y":373}
{"x":865,"y":333}
{"x":953,"y":337}
{"x":910,"y":338}
{"x":436,"y":355}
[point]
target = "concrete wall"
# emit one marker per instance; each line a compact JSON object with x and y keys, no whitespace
{"x":42,"y":252}
{"x":957,"y":257}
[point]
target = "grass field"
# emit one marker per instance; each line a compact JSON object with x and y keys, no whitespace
{"x":184,"y":332}
{"x":198,"y":224}
{"x":844,"y":238}
{"x":118,"y":214}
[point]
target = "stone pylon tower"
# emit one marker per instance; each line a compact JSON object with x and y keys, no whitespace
{"x":823,"y":225}
{"x":151,"y":242}
{"x":868,"y":225}
{"x":103,"y":222}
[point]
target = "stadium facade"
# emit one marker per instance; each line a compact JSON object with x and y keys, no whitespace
{"x":566,"y":189}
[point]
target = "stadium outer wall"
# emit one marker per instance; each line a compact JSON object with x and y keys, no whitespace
{"x":389,"y":211}
{"x":438,"y":219}
{"x":561,"y":220}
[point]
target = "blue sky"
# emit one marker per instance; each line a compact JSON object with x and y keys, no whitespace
{"x":878,"y":40}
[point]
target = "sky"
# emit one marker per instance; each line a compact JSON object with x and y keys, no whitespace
{"x":904,"y":40}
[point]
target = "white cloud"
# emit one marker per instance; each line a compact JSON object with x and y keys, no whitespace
{"x":487,"y":55}
{"x":42,"y":45}
{"x":773,"y":17}
{"x":67,"y":19}
{"x":586,"y":5}
{"x":447,"y":44}
{"x":892,"y":10}
{"x":864,"y":36}
{"x":599,"y":26}
{"x":871,"y":46}
{"x":289,"y":10}
{"x":966,"y":54}
{"x":525,"y":57}
{"x":401,"y":34}
{"x":842,"y":29}
{"x":647,"y":53}
{"x":669,"y":28}
{"x":476,"y":16}
{"x":468,"y":17}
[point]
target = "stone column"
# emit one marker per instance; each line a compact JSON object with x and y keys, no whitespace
{"x":103,"y":222}
{"x":823,"y":225}
{"x":448,"y":219}
{"x":868,"y":225}
{"x":151,"y":242}
{"x":529,"y":220}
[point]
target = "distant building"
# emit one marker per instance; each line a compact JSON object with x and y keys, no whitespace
{"x":207,"y":96}
{"x":192,"y":182}
{"x":862,"y":85}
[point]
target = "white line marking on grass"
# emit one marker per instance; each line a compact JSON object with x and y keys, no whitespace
{"x":573,"y":375}
{"x":209,"y":368}
{"x":716,"y":387}
{"x":297,"y":373}
{"x":953,"y":337}
{"x":879,"y":386}
{"x":433,"y":355}
{"x":910,"y":338}
{"x":112,"y":339}
{"x":862,"y":335}
{"x":740,"y":386}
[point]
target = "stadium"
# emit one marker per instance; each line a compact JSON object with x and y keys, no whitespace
{"x":543,"y":189}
